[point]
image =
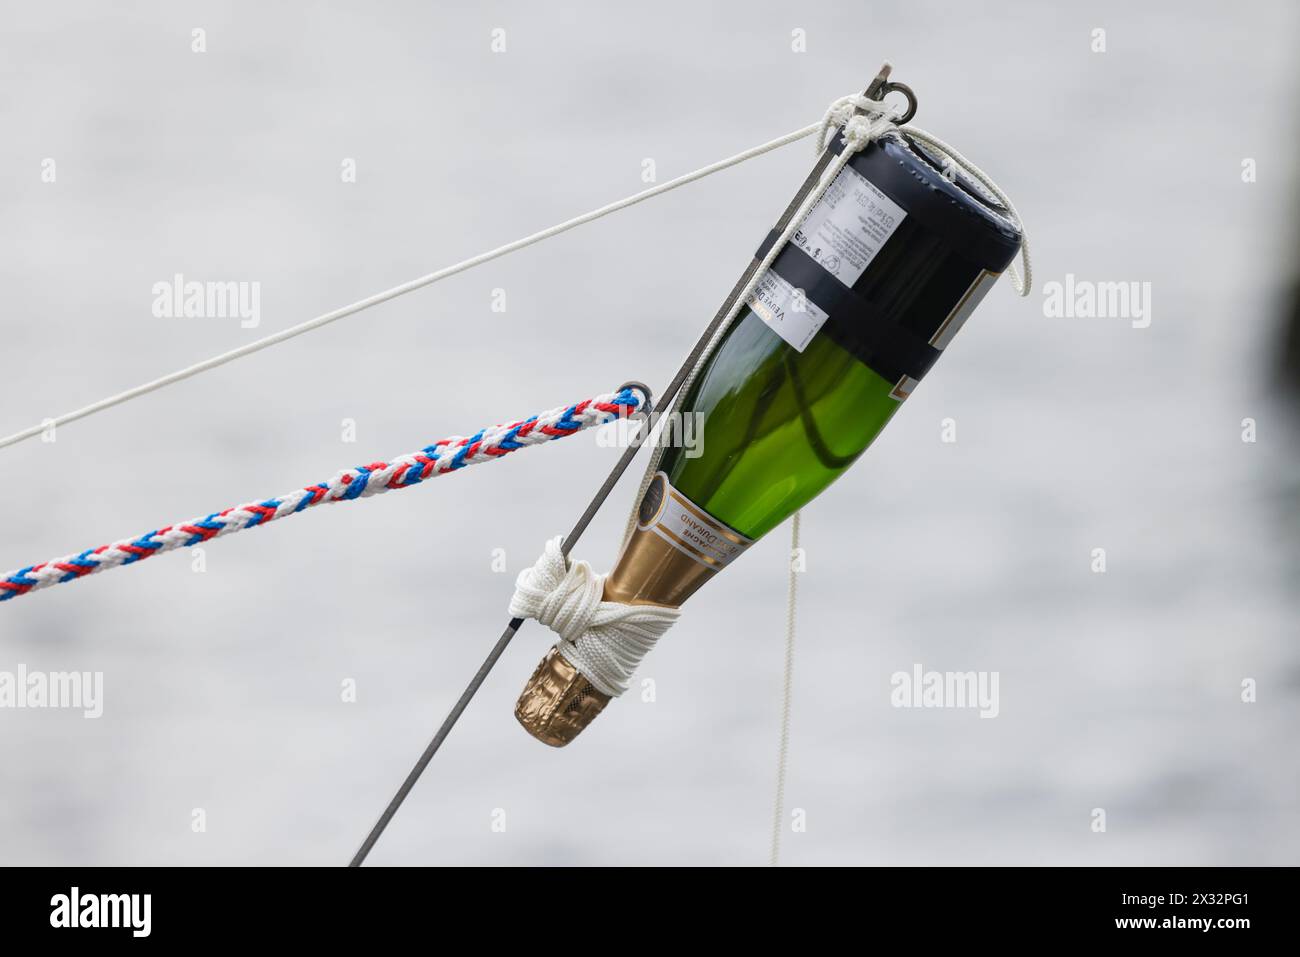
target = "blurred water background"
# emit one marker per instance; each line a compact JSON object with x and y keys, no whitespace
{"x":1119,"y":691}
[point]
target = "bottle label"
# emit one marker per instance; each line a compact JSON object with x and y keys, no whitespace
{"x":671,"y":516}
{"x":848,"y":226}
{"x":675,"y":547}
{"x":842,"y":235}
{"x":787,"y":311}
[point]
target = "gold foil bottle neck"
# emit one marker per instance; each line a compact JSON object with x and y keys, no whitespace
{"x":558,"y":701}
{"x":675,"y":548}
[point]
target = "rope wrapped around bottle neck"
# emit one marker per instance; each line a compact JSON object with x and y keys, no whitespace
{"x":605,"y":640}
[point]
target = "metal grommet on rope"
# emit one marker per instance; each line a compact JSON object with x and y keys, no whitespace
{"x":647,"y":397}
{"x":891,"y":87}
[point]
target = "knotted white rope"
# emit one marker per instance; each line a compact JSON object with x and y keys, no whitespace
{"x":605,"y":640}
{"x":861,"y":117}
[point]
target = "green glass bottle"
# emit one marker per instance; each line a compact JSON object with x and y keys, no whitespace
{"x":776,"y":426}
{"x":851,"y":315}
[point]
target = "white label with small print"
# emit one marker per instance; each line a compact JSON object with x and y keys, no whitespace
{"x":848,"y":226}
{"x":787,"y":311}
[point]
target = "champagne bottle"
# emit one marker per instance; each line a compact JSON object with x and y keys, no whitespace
{"x":854,"y":311}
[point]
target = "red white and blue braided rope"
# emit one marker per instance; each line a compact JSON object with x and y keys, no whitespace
{"x":448,"y":455}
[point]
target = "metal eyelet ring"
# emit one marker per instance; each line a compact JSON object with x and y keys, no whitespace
{"x":906,"y":90}
{"x":647,"y":406}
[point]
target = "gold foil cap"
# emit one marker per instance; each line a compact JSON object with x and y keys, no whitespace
{"x":558,"y":701}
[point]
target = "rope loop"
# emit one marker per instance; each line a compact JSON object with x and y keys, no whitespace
{"x":1022,"y":280}
{"x":861,"y":117}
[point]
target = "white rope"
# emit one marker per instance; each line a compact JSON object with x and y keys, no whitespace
{"x":783,"y":750}
{"x":1021,"y":282}
{"x":605,"y":640}
{"x":410,"y":286}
